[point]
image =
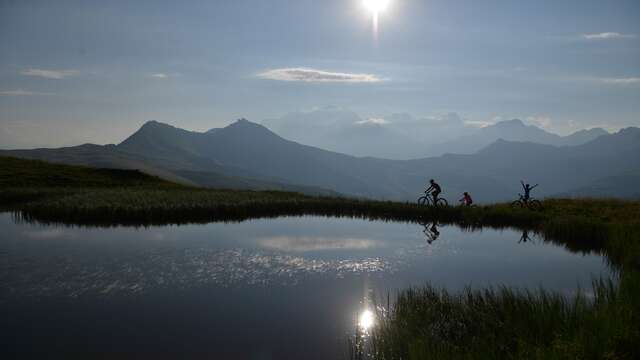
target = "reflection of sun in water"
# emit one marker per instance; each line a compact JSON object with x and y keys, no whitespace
{"x":366,"y":320}
{"x":376,"y":7}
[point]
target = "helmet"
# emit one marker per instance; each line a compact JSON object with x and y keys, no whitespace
{"x":431,"y":180}
{"x":466,"y":193}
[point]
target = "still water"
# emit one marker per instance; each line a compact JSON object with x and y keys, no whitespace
{"x":286,"y":288}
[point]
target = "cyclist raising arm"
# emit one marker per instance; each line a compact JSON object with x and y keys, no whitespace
{"x":435,"y":190}
{"x":527,"y":190}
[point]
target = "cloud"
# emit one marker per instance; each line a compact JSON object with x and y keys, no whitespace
{"x":21,"y":93}
{"x":622,"y":81}
{"x":317,"y":76}
{"x":607,"y":35}
{"x":478,"y":123}
{"x":373,"y":121}
{"x":544,"y":122}
{"x":49,"y":74}
{"x":160,"y":76}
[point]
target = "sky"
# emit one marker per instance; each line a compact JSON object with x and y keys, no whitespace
{"x":73,"y":72}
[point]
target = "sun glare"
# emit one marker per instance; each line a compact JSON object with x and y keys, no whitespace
{"x":366,"y":320}
{"x":376,"y":6}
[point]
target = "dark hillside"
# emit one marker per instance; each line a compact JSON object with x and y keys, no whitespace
{"x":19,"y":173}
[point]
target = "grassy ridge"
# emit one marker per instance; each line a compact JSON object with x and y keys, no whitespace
{"x":424,"y":323}
{"x":22,"y":173}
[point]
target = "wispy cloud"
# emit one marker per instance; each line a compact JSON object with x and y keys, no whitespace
{"x":20,"y":92}
{"x":607,"y":35}
{"x":478,"y":123}
{"x":49,"y":74}
{"x":317,"y":76}
{"x":159,"y":76}
{"x":544,"y":122}
{"x":373,"y":121}
{"x":622,"y":81}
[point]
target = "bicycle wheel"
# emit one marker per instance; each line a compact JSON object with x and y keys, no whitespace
{"x":423,"y":200}
{"x":535,"y":205}
{"x":517,"y":204}
{"x":442,"y":202}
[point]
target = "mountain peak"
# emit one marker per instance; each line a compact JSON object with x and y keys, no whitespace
{"x":244,"y":128}
{"x":153,"y":124}
{"x":244,"y":124}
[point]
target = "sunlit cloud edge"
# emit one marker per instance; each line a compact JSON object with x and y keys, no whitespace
{"x":310,"y":75}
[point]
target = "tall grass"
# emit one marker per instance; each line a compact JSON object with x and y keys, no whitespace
{"x":154,"y":206}
{"x":430,"y":323}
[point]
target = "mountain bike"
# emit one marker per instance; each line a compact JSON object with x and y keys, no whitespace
{"x":427,"y":199}
{"x":530,"y":203}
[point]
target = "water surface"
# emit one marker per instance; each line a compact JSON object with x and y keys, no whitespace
{"x":261,"y":289}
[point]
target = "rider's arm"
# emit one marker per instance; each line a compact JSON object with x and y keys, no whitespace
{"x":429,"y":189}
{"x":534,"y":186}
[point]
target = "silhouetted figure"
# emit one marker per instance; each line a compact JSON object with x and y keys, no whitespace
{"x":527,"y":190}
{"x":525,"y":237}
{"x":466,"y":199}
{"x":435,"y":190}
{"x":431,"y":232}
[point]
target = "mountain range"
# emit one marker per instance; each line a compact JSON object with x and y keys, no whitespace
{"x":246,"y":155}
{"x":401,"y":136}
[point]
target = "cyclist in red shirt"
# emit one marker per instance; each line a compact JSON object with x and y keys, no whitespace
{"x":466,"y":199}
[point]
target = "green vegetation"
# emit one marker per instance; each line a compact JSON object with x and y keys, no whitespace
{"x":22,"y":173}
{"x":423,"y":322}
{"x":502,"y":323}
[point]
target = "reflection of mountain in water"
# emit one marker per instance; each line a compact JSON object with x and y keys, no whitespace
{"x":171,"y":269}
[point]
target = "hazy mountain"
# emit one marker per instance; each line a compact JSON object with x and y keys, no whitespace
{"x":623,"y":186}
{"x":511,"y":130}
{"x":245,"y":150}
{"x":582,"y":136}
{"x":401,"y":136}
{"x":398,"y":136}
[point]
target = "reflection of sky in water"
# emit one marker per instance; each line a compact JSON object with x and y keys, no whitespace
{"x":67,"y":261}
{"x":277,"y":288}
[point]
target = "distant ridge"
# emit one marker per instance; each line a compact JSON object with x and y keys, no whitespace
{"x":402,"y":137}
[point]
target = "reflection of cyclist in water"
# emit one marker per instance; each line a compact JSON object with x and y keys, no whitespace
{"x":525,"y":237}
{"x":527,"y":190}
{"x":435,"y":190}
{"x":431,"y":232}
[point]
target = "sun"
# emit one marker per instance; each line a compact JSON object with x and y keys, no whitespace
{"x":376,"y":6}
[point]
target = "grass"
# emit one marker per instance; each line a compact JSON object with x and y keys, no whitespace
{"x":429,"y":323}
{"x":502,"y":323}
{"x":422,"y":323}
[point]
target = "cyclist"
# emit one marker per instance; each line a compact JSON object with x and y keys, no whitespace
{"x":527,"y":190}
{"x":435,"y":190}
{"x":466,"y":199}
